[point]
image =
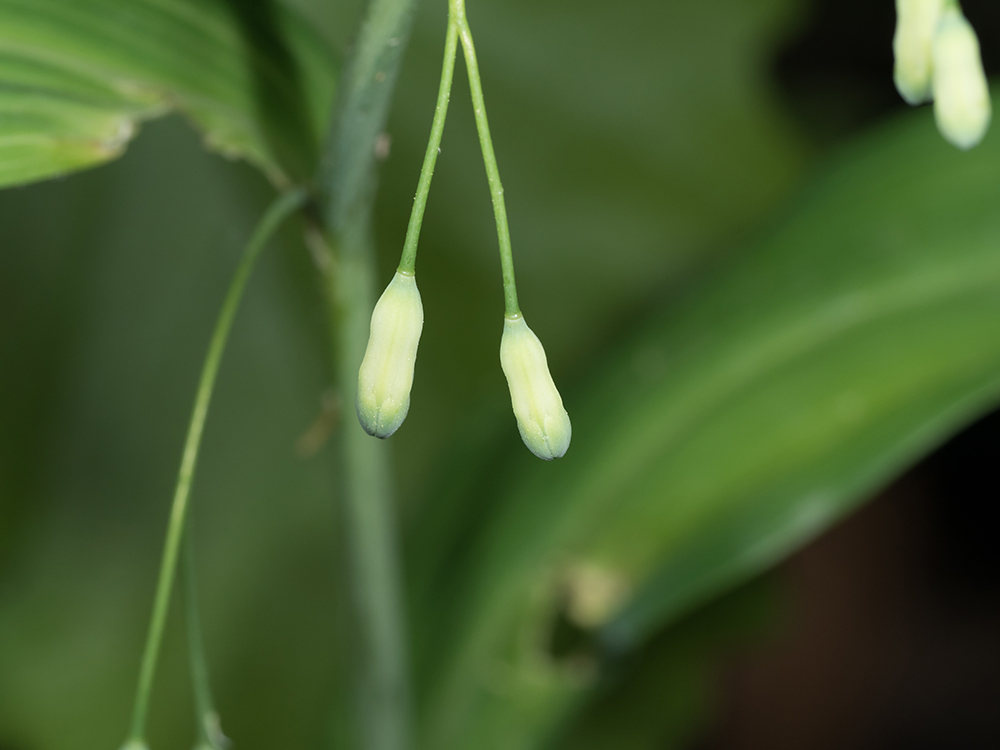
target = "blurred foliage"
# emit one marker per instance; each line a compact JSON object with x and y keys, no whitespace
{"x":660,"y":694}
{"x":78,"y":76}
{"x":739,"y":375}
{"x":776,"y":394}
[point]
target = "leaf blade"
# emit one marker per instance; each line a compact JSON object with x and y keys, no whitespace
{"x":856,"y":335}
{"x":137,"y":59}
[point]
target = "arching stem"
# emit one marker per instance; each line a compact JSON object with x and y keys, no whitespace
{"x":282,"y":207}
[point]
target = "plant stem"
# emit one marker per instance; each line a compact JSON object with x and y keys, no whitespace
{"x":279,"y":210}
{"x":383,"y":697}
{"x":209,"y":731}
{"x":348,"y":177}
{"x":349,"y":180}
{"x":456,"y":12}
{"x":408,"y":261}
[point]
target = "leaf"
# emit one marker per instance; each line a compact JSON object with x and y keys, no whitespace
{"x":78,"y":76}
{"x":745,"y":419}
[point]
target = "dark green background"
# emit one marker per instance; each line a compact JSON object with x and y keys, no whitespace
{"x":645,"y":147}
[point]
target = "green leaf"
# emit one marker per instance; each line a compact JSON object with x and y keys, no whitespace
{"x":77,"y":76}
{"x":783,"y":389}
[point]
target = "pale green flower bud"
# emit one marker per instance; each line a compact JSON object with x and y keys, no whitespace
{"x":541,"y":419}
{"x":916,"y":21}
{"x":386,"y":373}
{"x":961,"y":97}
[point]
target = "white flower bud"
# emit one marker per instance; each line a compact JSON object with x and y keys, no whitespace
{"x":916,"y":21}
{"x":961,"y":97}
{"x":386,"y":373}
{"x":541,"y":419}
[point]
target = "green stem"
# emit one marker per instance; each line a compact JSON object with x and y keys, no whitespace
{"x":408,"y":261}
{"x":349,"y":180}
{"x":456,"y":12}
{"x":206,"y":717}
{"x":383,"y":696}
{"x":364,"y":94}
{"x":277,"y":213}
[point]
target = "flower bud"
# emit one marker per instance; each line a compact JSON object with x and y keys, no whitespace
{"x":386,"y":373}
{"x":961,"y":97}
{"x":916,"y":21}
{"x":541,"y":419}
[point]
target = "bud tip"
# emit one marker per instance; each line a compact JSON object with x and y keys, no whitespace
{"x":386,"y":373}
{"x":541,"y":418}
{"x":916,"y":22}
{"x":962,"y":106}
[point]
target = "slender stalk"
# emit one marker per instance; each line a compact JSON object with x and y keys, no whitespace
{"x":456,"y":12}
{"x":349,"y":180}
{"x":277,"y":213}
{"x":209,"y":731}
{"x":408,"y":261}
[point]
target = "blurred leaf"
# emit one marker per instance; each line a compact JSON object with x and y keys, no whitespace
{"x":659,"y":696}
{"x":857,"y":335}
{"x":78,"y":76}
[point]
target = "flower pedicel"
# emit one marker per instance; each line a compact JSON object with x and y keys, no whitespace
{"x":386,"y":373}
